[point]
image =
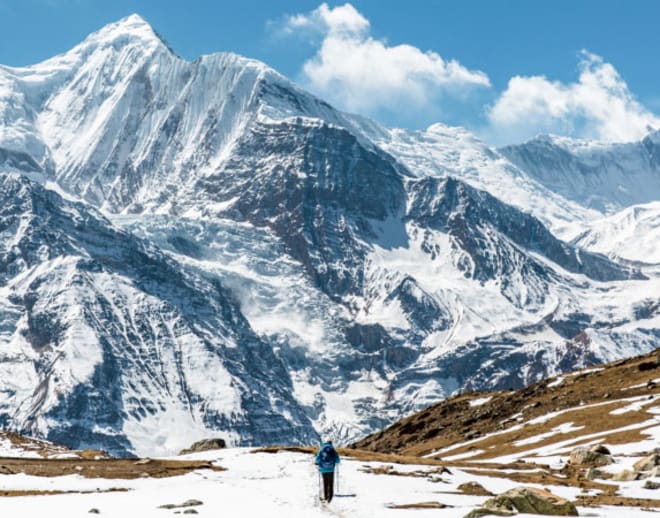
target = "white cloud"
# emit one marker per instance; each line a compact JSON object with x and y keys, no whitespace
{"x":599,"y":105}
{"x":361,"y":73}
{"x":344,"y":19}
{"x":364,"y":74}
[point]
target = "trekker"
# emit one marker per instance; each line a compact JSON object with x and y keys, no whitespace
{"x":326,"y":459}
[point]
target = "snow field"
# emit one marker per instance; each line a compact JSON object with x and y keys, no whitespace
{"x":265,"y":484}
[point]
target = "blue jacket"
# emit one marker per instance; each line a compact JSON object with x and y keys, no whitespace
{"x":329,"y":465}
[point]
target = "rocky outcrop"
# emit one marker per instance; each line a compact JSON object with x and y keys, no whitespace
{"x":647,"y":464}
{"x":593,"y":456}
{"x":204,"y":445}
{"x":475,"y":489}
{"x":647,"y":467}
{"x":525,"y":500}
{"x":116,"y":333}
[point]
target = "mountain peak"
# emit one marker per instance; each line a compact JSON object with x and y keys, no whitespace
{"x":133,"y":20}
{"x":131,"y":29}
{"x":133,"y":23}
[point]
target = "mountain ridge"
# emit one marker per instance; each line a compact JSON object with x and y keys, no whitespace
{"x":343,"y":272}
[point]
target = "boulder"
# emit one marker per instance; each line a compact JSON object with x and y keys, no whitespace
{"x":482,"y":511}
{"x":595,"y":473}
{"x":205,"y":445}
{"x":651,"y":485}
{"x":187,"y":503}
{"x":525,"y":500}
{"x":647,"y":463}
{"x":594,"y":456}
{"x":625,"y":476}
{"x":474,"y":488}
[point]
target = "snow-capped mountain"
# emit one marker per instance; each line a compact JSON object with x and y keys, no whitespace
{"x":105,"y":337}
{"x":632,"y":233}
{"x":203,"y":247}
{"x":603,"y":176}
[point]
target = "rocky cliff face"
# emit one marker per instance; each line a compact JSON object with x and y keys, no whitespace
{"x":110,"y":336}
{"x":607,"y":177}
{"x":202,"y":247}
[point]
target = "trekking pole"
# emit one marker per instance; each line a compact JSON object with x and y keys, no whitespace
{"x":320,"y":493}
{"x":337,"y":479}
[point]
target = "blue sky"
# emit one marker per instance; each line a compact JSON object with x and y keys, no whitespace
{"x":507,"y":70}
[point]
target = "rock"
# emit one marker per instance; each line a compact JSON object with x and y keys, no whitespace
{"x":474,"y":488}
{"x":187,"y":503}
{"x":594,"y":473}
{"x":525,"y":500}
{"x":420,"y":505}
{"x":647,"y":463}
{"x":482,"y":511}
{"x":205,"y":445}
{"x":593,"y":456}
{"x":94,"y":510}
{"x":651,"y":485}
{"x":190,"y":511}
{"x":625,"y":476}
{"x":647,"y":366}
{"x":600,"y":448}
{"x":654,"y":473}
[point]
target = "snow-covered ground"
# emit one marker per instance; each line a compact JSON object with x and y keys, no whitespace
{"x":632,"y":233}
{"x":268,"y":484}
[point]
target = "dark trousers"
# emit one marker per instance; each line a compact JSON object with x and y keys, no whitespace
{"x":328,"y":486}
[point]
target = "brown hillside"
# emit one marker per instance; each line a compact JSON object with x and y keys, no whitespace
{"x":455,"y":421}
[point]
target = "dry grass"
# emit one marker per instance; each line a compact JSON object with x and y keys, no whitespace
{"x":454,"y":421}
{"x":586,"y":400}
{"x":388,"y":469}
{"x":363,"y":455}
{"x":594,"y":420}
{"x":104,"y":468}
{"x":39,"y":492}
{"x":420,"y":505}
{"x":609,"y":499}
{"x":277,"y":449}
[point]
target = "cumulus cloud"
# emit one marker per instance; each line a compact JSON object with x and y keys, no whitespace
{"x":365,"y":74}
{"x":362,"y":73}
{"x":599,"y":105}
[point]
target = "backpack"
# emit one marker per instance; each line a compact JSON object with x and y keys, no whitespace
{"x":327,"y":457}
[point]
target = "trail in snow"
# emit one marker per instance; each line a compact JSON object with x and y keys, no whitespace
{"x":284,"y":484}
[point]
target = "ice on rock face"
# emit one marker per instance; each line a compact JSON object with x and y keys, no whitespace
{"x":632,"y":233}
{"x":210,"y":249}
{"x":114,"y":336}
{"x":606,"y":177}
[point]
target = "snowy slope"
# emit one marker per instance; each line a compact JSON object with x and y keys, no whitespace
{"x":104,"y":339}
{"x":633,"y":234}
{"x":443,"y":150}
{"x":603,"y":176}
{"x":286,"y":484}
{"x":126,"y":123}
{"x":280,"y":265}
